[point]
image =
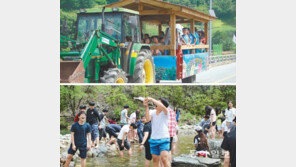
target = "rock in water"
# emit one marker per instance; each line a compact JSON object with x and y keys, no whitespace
{"x":188,"y":160}
{"x":215,"y":147}
{"x":102,"y":149}
{"x":72,"y":164}
{"x":112,"y":151}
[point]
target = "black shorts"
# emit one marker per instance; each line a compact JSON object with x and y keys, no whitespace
{"x":126,"y":144}
{"x":148,"y":155}
{"x":213,"y":123}
{"x":171,"y":142}
{"x":82,"y":150}
{"x":102,"y":133}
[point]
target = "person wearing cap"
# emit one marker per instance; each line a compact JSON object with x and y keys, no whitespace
{"x":201,"y":143}
{"x":92,"y":116}
{"x":160,"y":136}
{"x":102,"y":125}
{"x":124,"y":118}
{"x":81,"y":108}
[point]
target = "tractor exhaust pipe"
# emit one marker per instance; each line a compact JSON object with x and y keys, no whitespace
{"x":103,"y":19}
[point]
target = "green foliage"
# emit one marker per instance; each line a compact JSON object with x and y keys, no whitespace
{"x":63,"y":123}
{"x":67,"y":24}
{"x":70,"y":5}
{"x":225,"y":9}
{"x":101,"y":2}
{"x":191,"y":99}
{"x":224,"y":38}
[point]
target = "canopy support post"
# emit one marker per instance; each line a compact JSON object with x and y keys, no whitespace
{"x":173,"y":33}
{"x":159,"y":29}
{"x":206,"y":29}
{"x":192,"y":22}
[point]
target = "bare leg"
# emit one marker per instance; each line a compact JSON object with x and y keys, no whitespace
{"x":68,"y":160}
{"x":165,"y":158}
{"x":121,"y":153}
{"x":155,"y":160}
{"x":98,"y":142}
{"x":213,"y":132}
{"x":129,"y":152}
{"x":83,"y":162}
{"x":147,"y":163}
{"x":226,"y":159}
{"x":129,"y":137}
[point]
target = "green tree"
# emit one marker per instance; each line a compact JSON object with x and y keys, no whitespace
{"x":101,"y":2}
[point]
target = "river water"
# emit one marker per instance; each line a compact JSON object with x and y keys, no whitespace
{"x":184,"y":145}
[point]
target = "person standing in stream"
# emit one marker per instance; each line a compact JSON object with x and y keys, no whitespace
{"x":160,"y":137}
{"x":122,"y":138}
{"x":80,"y":139}
{"x":145,"y":143}
{"x":102,"y":125}
{"x":124,"y":118}
{"x":92,"y":116}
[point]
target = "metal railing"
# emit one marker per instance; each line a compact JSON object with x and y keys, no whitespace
{"x":222,"y":58}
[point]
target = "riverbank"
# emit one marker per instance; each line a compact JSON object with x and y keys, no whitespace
{"x":108,"y":155}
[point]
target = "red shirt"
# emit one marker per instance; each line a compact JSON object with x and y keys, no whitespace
{"x":76,"y":118}
{"x":172,"y":122}
{"x":112,"y":122}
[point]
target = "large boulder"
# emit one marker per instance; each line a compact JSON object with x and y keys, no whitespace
{"x":192,"y":161}
{"x":112,"y":150}
{"x":215,"y":148}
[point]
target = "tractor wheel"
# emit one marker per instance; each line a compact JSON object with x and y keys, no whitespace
{"x":114,"y":75}
{"x":144,"y":71}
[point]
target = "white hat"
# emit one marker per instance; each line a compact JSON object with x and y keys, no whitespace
{"x":198,"y":128}
{"x":179,"y":28}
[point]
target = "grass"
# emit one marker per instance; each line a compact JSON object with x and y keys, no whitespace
{"x":219,"y":25}
{"x":64,"y":131}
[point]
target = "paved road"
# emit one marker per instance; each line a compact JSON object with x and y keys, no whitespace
{"x":221,"y":74}
{"x":225,"y":74}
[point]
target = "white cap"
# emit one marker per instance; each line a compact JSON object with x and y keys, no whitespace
{"x":198,"y":128}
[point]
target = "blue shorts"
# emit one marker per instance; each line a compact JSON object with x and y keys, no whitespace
{"x":94,"y":131}
{"x":82,"y":150}
{"x":159,"y":145}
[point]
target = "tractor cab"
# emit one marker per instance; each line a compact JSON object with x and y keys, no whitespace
{"x":122,"y":24}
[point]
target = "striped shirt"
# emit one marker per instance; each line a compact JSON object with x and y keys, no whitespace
{"x":172,"y":122}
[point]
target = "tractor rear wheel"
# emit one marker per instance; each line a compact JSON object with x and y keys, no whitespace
{"x":114,"y":75}
{"x":144,"y":71}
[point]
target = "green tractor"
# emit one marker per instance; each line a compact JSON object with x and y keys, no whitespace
{"x":106,"y":49}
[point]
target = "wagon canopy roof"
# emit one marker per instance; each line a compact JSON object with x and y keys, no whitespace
{"x":108,"y":10}
{"x":156,"y":8}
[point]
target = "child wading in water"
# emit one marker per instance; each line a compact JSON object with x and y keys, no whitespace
{"x":80,"y":139}
{"x":122,"y":138}
{"x":201,"y":143}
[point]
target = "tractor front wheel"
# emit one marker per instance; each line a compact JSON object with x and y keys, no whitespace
{"x":144,"y":71}
{"x":114,"y":75}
